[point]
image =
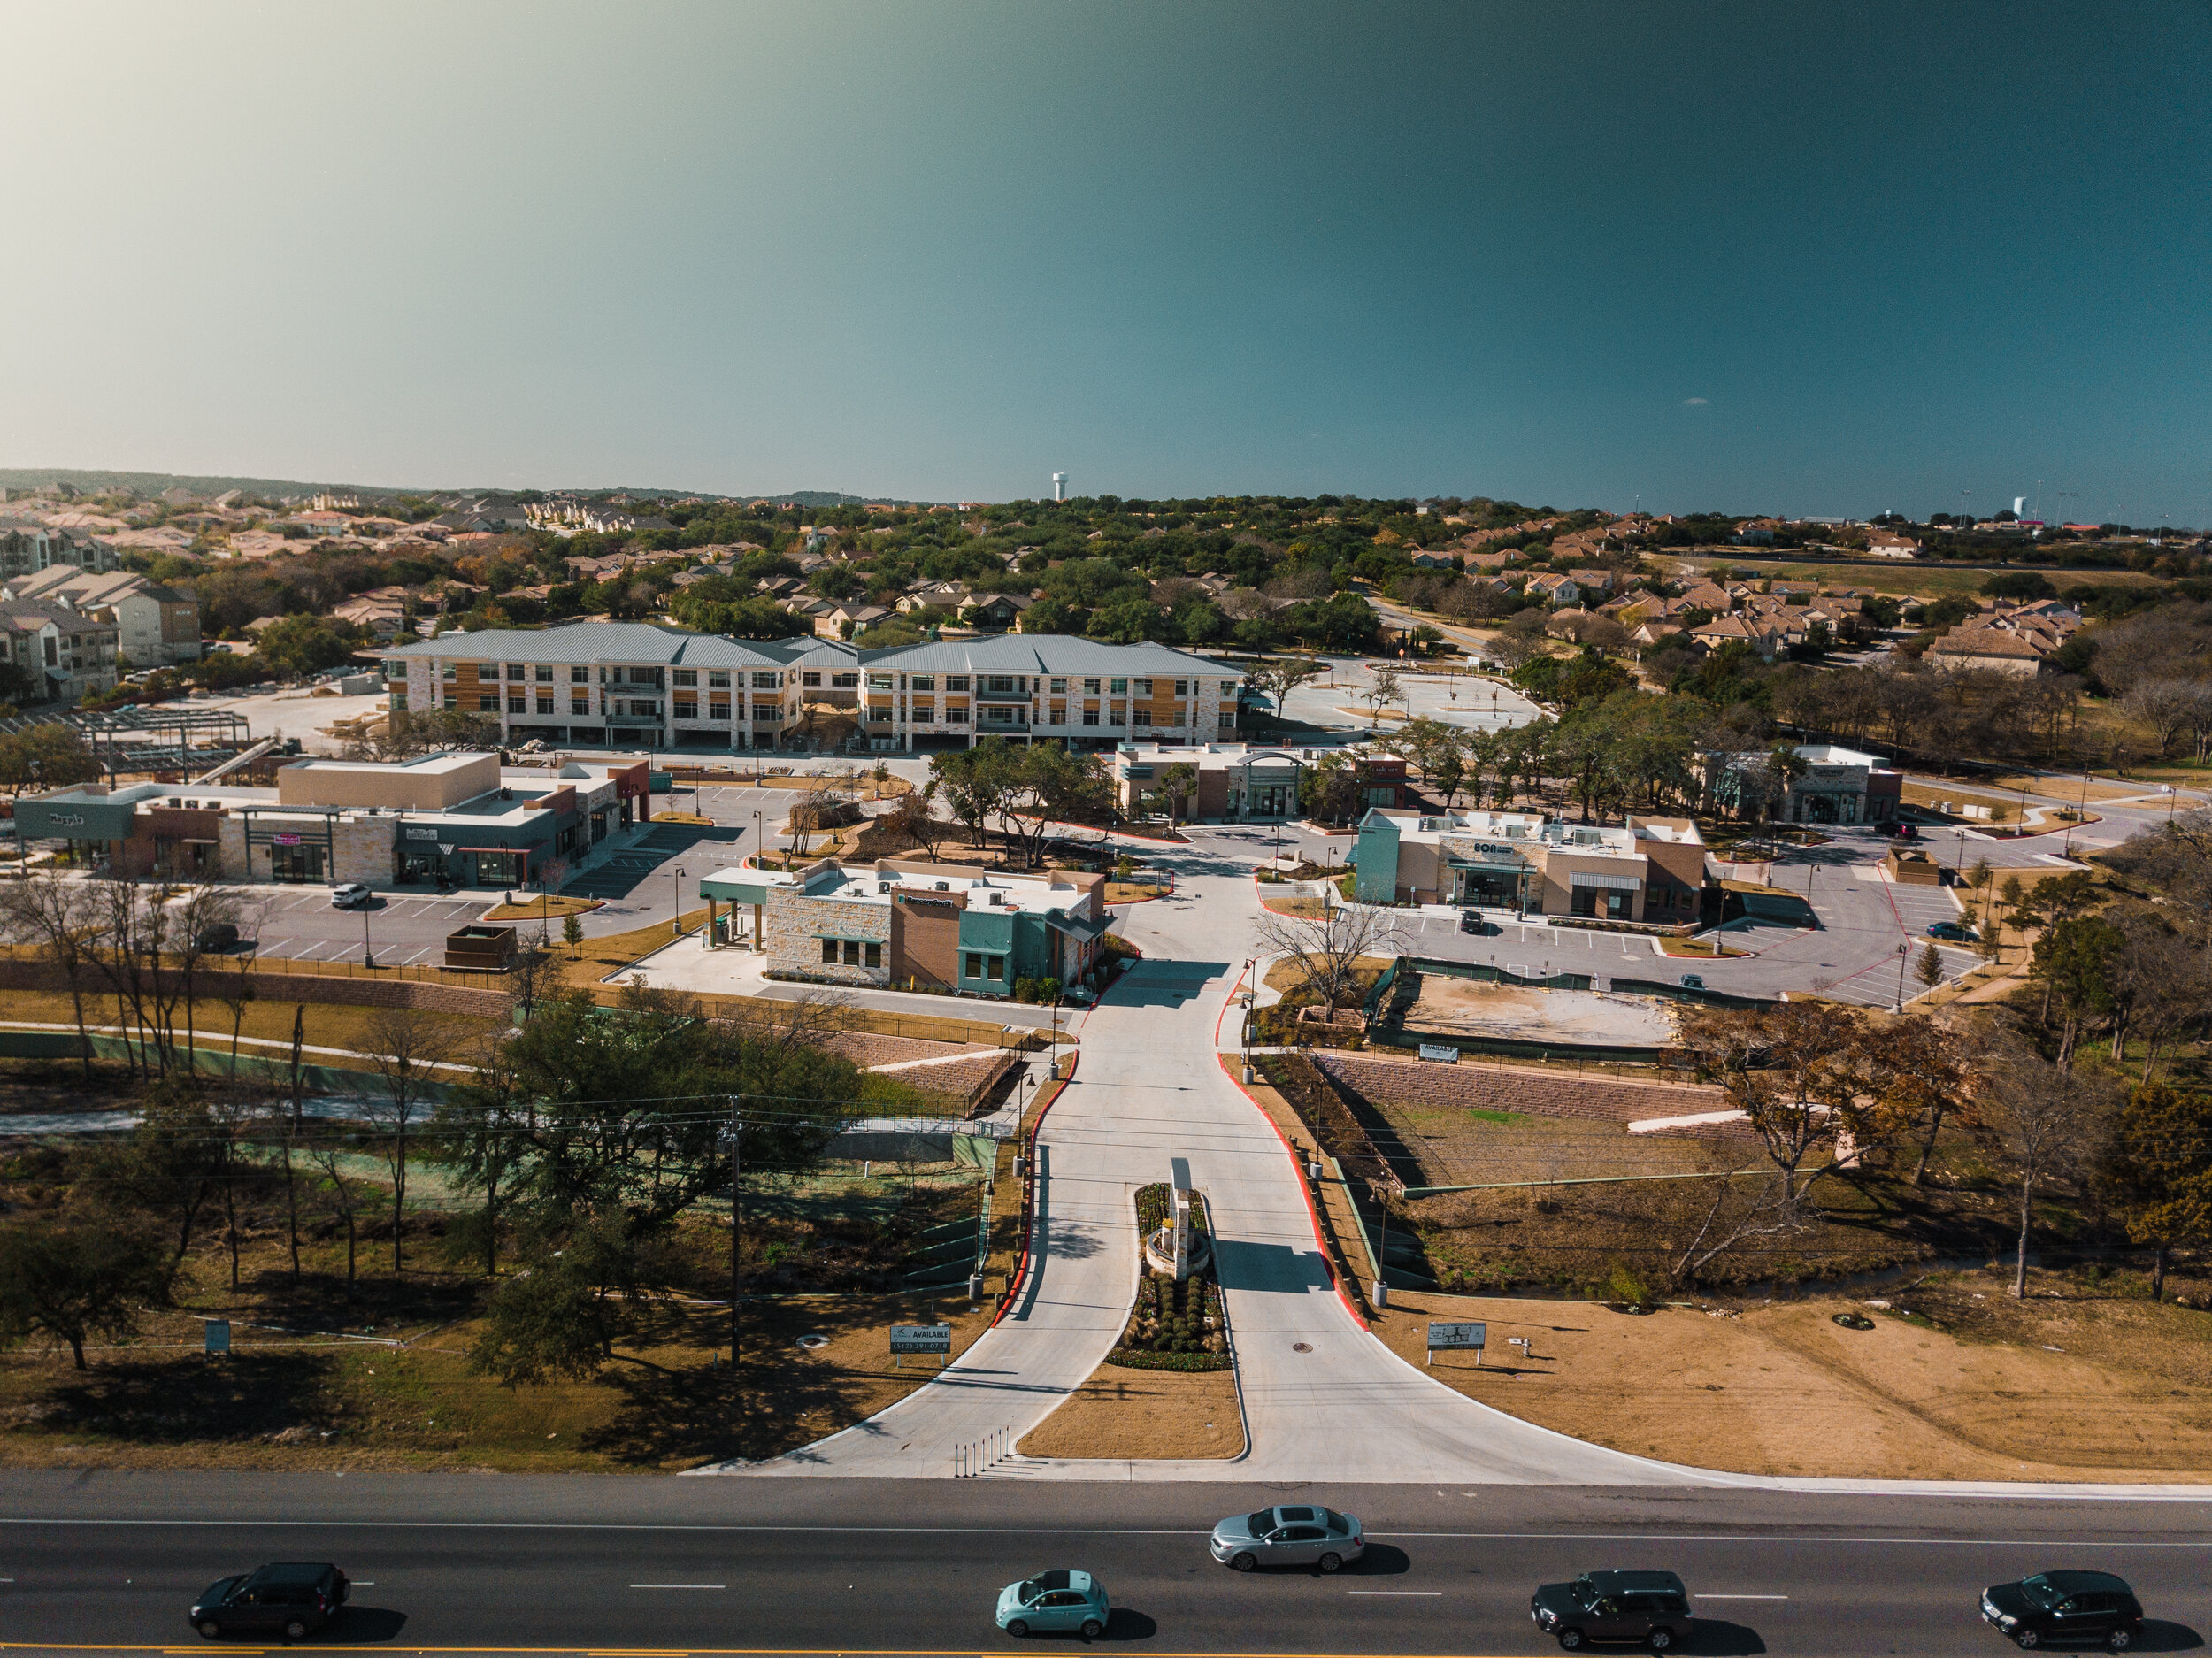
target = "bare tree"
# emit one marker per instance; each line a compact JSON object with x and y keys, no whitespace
{"x":59,"y":917}
{"x":406,"y":1048}
{"x":1323,"y":951}
{"x":345,"y":1198}
{"x":2045,"y":1122}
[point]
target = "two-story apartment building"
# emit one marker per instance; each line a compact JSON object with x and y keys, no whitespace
{"x":1031,"y":686}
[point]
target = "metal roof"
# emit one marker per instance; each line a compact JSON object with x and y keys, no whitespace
{"x":1046,"y":654}
{"x":605,"y":641}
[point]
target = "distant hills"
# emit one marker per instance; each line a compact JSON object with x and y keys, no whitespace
{"x":93,"y":480}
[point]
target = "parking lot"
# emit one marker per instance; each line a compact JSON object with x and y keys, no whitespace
{"x":302,"y":923}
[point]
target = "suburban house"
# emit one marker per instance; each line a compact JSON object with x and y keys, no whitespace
{"x":1889,"y":544}
{"x":910,"y":922}
{"x":1650,"y":871}
{"x":1555,"y":589}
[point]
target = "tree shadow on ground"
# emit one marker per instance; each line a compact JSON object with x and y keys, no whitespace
{"x":161,"y":1401}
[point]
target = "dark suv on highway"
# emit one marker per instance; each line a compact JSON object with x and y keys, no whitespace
{"x":1647,"y":1606}
{"x":293,"y":1599}
{"x":2065,"y":1607}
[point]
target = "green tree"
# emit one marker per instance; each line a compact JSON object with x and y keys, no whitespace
{"x":1929,"y":970}
{"x":2160,"y":1163}
{"x":1177,"y":783}
{"x":572,"y":933}
{"x":76,"y":1277}
{"x":300,"y":645}
{"x":46,"y":755}
{"x":2074,"y":960}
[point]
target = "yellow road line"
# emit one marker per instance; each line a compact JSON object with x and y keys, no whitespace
{"x":701,"y":1652}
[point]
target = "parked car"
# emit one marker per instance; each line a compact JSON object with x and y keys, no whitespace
{"x":1294,"y":1536}
{"x":1952,"y":933}
{"x":292,"y":1599}
{"x":218,"y":935}
{"x":1054,"y":1601}
{"x":1472,"y":921}
{"x":349,"y":895}
{"x":1647,"y":1606}
{"x":1693,"y":981}
{"x":2072,"y":1607}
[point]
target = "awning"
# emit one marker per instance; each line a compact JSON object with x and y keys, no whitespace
{"x":1612,"y":883}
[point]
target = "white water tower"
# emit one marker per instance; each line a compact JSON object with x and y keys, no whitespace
{"x":1059,"y":486}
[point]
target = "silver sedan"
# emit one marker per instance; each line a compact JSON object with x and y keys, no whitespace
{"x":1291,"y":1536}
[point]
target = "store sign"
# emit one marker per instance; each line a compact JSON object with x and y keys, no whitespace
{"x":288,"y":841}
{"x":415,"y":832}
{"x":66,"y":820}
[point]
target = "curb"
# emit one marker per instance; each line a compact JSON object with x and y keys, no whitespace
{"x":1312,"y":1214}
{"x":1020,"y":1273}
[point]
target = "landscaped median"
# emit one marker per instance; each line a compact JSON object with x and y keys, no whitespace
{"x":1167,"y":1391}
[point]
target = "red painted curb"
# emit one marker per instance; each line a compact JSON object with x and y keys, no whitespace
{"x":1312,"y":1214}
{"x":1021,"y":1265}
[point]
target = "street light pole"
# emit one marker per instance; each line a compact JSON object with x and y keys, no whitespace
{"x":678,"y":922}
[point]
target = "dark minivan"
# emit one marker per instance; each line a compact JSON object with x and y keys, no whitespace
{"x":1647,"y":1606}
{"x":293,"y":1599}
{"x":2065,"y":1607}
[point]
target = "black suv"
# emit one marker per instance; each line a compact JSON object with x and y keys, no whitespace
{"x":1649,"y":1607}
{"x":291,"y":1599}
{"x":2069,"y":1607}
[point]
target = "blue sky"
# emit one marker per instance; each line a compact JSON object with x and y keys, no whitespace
{"x":1803,"y":258}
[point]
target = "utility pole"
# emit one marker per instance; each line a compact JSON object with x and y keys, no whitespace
{"x":737,"y":1159}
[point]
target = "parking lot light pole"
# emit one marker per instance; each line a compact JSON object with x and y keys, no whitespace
{"x":1904,"y":949}
{"x":368,"y":956}
{"x":678,"y":922}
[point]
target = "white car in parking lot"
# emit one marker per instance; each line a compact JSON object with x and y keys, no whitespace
{"x":349,"y":895}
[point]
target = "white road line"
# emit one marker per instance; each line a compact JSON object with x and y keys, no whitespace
{"x":418,"y":955}
{"x":676,"y":1585}
{"x":296,"y":902}
{"x":307,"y":954}
{"x":1395,"y":1592}
{"x":1741,"y":1597}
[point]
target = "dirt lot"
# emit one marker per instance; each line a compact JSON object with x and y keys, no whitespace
{"x":1144,"y":1414}
{"x":1471,"y":1008}
{"x":2071,"y":1386}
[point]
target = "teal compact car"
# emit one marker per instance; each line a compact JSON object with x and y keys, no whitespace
{"x":1071,"y":1600}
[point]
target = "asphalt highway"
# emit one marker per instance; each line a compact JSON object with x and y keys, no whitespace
{"x":624,"y":1566}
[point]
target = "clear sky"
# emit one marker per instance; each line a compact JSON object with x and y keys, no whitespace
{"x":1791,"y":256}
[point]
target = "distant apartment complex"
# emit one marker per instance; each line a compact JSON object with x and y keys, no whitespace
{"x":156,"y":626}
{"x":27,"y":547}
{"x":604,"y":682}
{"x":1650,"y":871}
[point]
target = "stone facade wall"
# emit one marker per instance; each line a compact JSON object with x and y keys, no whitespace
{"x":794,"y":947}
{"x":361,"y":850}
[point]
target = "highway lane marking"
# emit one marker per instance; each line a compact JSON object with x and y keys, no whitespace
{"x":677,"y":1585}
{"x":1018,"y":1530}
